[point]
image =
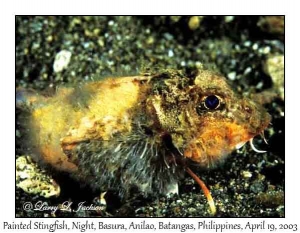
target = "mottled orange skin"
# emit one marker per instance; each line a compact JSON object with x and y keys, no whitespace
{"x":218,"y":141}
{"x":59,"y":124}
{"x":165,"y":107}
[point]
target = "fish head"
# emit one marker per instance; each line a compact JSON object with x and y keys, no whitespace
{"x":219,"y":120}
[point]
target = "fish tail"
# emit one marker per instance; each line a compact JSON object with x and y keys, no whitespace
{"x":28,"y":99}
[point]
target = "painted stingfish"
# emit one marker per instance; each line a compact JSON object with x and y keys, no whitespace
{"x":140,"y":131}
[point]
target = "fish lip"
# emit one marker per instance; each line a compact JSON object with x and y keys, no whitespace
{"x":250,"y":140}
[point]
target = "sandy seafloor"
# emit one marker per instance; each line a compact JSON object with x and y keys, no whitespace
{"x":106,"y":46}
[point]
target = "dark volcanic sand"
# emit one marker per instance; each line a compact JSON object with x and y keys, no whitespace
{"x":103,"y":46}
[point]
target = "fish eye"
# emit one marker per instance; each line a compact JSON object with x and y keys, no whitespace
{"x":211,"y":102}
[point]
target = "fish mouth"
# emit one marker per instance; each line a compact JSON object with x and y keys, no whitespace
{"x":258,"y":132}
{"x":241,"y":144}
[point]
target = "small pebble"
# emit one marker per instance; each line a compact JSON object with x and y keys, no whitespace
{"x":232,"y":75}
{"x":246,"y":174}
{"x":170,"y":53}
{"x":229,"y":18}
{"x":247,"y":70}
{"x":62,"y":60}
{"x":255,"y":46}
{"x":247,"y":43}
{"x":194,"y":22}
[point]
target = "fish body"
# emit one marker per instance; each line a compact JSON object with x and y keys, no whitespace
{"x":140,"y":131}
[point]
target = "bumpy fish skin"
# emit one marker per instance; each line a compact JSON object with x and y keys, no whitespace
{"x":141,"y":131}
